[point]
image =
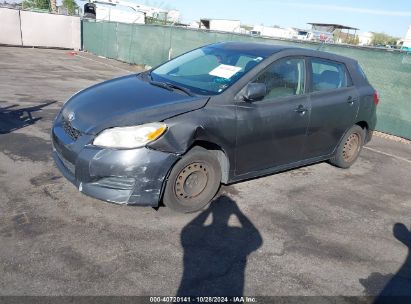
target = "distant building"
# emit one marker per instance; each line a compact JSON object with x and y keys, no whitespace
{"x":194,"y":24}
{"x":324,"y":32}
{"x":127,"y":12}
{"x":14,"y":5}
{"x":118,"y":11}
{"x":300,"y":34}
{"x":365,"y":38}
{"x":406,"y":45}
{"x":222,"y":25}
{"x":275,"y":32}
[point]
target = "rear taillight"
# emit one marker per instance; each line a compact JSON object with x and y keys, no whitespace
{"x":376,"y":98}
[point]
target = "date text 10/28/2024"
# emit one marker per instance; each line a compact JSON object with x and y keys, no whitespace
{"x":203,"y":300}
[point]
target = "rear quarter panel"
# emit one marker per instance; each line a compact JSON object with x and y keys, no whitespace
{"x":367,"y":108}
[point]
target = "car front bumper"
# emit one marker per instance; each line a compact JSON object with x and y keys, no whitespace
{"x":134,"y":177}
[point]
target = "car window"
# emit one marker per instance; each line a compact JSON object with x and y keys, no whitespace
{"x":199,"y":65}
{"x":202,"y":65}
{"x":284,"y":77}
{"x":328,"y":75}
{"x":247,"y":62}
{"x":209,"y":70}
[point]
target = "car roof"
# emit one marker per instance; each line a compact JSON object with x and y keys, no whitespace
{"x":266,"y":50}
{"x":262,"y":49}
{"x":258,"y":49}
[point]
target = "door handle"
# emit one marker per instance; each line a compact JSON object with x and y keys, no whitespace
{"x":301,"y":110}
{"x":351,"y":100}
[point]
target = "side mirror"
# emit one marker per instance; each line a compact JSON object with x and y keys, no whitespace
{"x":254,"y":91}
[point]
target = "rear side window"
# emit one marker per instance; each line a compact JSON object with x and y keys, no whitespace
{"x":328,"y":75}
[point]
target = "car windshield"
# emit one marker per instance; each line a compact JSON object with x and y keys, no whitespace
{"x":208,"y":70}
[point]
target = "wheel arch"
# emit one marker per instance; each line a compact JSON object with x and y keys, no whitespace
{"x":363,"y":124}
{"x":219,"y":153}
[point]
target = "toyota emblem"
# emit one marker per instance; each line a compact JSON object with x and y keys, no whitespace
{"x":71,"y":116}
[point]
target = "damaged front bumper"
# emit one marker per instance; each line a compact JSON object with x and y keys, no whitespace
{"x":134,"y":177}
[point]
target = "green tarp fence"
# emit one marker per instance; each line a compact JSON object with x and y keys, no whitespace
{"x":388,"y":71}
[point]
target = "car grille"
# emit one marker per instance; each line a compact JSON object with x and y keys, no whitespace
{"x":70,"y":130}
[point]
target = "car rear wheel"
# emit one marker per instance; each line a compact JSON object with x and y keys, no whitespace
{"x":349,"y":148}
{"x":193,"y":181}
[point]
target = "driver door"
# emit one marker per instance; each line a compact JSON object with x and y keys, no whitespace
{"x":271,"y":132}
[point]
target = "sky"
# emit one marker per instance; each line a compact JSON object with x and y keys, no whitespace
{"x":392,"y":17}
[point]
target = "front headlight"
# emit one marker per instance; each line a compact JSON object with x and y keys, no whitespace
{"x":130,"y":137}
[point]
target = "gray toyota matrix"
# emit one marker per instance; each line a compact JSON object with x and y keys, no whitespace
{"x":219,"y":114}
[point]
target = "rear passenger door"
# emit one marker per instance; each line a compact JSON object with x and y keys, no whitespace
{"x":334,"y":106}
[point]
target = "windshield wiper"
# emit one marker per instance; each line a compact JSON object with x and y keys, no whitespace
{"x":170,"y":87}
{"x":177,"y":87}
{"x":161,"y":85}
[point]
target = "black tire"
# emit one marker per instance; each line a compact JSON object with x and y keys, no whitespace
{"x":193,"y":181}
{"x":349,"y":148}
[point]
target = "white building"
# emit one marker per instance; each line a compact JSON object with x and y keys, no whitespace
{"x":127,"y":11}
{"x":118,"y":13}
{"x":407,"y":40}
{"x":222,"y":25}
{"x":300,"y":34}
{"x":194,"y":24}
{"x":155,"y":12}
{"x":365,"y":38}
{"x":277,"y":32}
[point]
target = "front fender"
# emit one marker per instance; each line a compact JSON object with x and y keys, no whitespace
{"x":215,"y":125}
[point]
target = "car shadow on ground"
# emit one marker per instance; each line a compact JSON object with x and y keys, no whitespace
{"x":398,"y":287}
{"x":13,"y":118}
{"x":216,"y":245}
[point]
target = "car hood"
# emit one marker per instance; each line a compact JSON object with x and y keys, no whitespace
{"x":125,"y":101}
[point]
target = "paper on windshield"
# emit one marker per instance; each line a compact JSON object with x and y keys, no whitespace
{"x":225,"y":71}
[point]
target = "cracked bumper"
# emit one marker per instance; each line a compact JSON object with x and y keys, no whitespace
{"x":134,"y":177}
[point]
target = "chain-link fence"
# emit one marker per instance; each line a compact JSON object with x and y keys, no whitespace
{"x":388,"y":71}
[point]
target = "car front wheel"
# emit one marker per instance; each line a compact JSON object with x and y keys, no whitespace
{"x":349,"y":148}
{"x":193,"y":181}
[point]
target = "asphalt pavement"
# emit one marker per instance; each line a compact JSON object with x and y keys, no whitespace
{"x":316,"y":230}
